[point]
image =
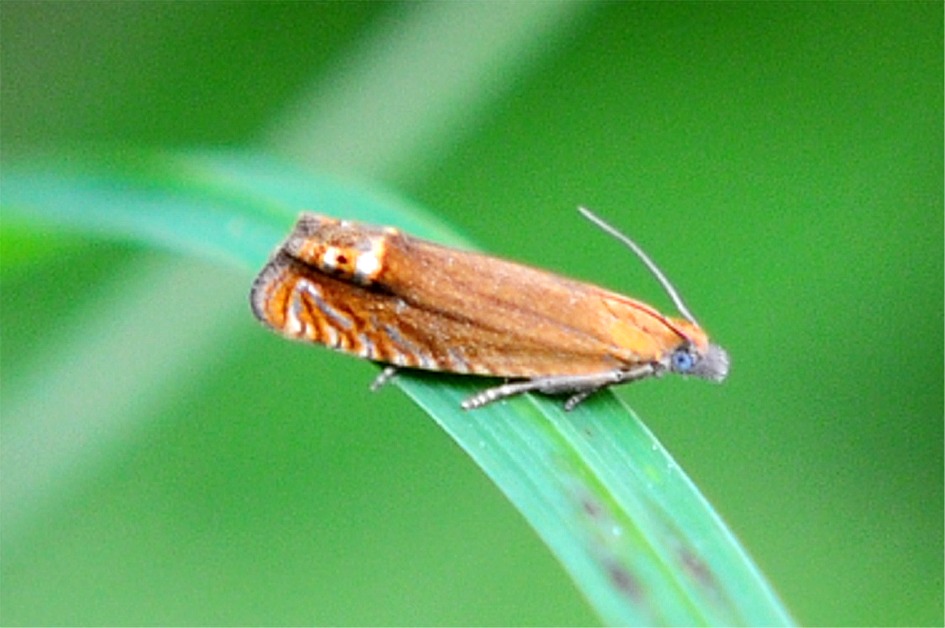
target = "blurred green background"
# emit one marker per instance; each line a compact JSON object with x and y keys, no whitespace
{"x":782,"y":162}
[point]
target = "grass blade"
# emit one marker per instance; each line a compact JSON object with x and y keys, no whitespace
{"x":637,"y":537}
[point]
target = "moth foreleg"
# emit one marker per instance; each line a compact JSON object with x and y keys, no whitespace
{"x":582,"y":386}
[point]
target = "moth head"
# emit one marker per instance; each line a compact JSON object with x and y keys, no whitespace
{"x":708,"y":362}
{"x":695,"y":355}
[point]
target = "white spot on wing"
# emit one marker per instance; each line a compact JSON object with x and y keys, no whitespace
{"x":330,"y":258}
{"x":366,"y":266}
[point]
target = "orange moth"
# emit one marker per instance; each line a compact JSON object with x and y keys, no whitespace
{"x":383,"y":295}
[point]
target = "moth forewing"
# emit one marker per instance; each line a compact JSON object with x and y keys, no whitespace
{"x":386,"y":296}
{"x":526,"y":305}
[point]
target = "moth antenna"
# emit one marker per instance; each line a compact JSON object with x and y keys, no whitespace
{"x":633,"y":246}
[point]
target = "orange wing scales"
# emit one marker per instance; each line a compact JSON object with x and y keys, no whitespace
{"x":320,"y":310}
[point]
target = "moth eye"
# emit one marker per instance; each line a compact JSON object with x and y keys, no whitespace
{"x":682,"y":360}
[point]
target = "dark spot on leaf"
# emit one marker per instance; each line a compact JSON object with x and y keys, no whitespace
{"x":696,"y":567}
{"x":591,"y":506}
{"x":625,"y":582}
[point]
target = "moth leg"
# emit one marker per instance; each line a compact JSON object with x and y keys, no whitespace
{"x":383,"y":377}
{"x":577,"y":398}
{"x":583,"y":386}
{"x":624,"y":376}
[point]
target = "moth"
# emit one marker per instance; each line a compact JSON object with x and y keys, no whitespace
{"x":380,"y":294}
